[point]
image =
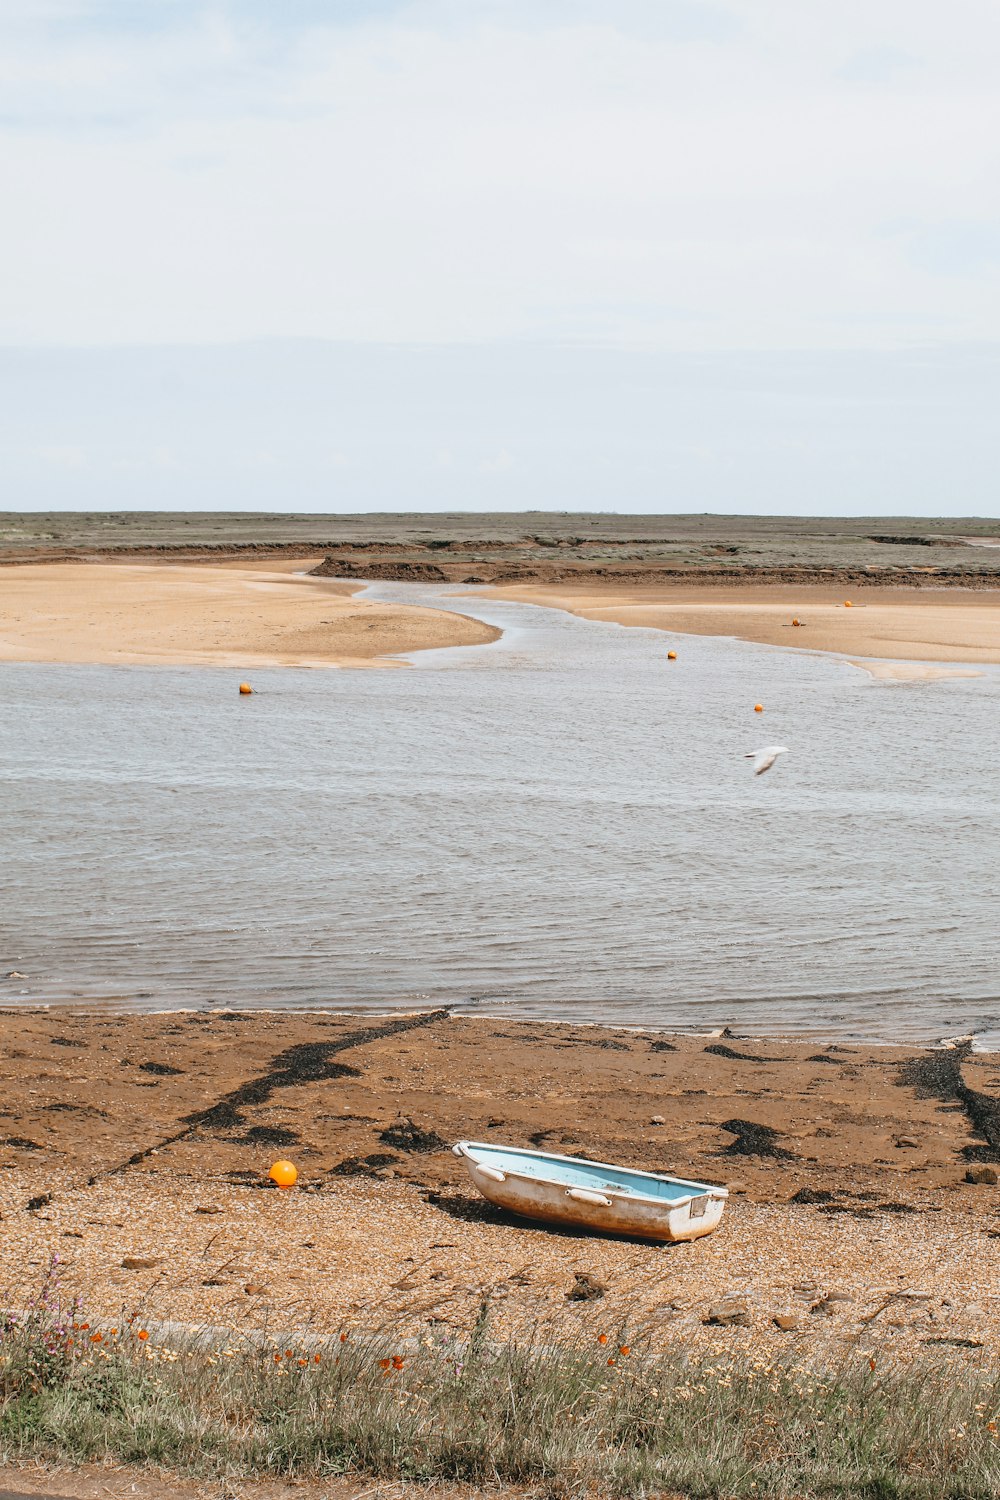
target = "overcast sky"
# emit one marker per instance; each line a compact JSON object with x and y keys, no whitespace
{"x":403,"y":254}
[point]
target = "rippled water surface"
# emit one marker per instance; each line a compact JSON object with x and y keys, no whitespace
{"x":561,"y":824}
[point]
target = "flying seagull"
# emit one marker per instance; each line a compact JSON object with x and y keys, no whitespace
{"x":764,"y":759}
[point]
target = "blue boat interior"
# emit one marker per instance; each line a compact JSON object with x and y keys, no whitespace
{"x":583,"y":1174}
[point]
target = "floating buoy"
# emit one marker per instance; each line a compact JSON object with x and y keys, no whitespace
{"x":758,"y":708}
{"x":847,"y":604}
{"x":796,"y":622}
{"x":284,"y":1174}
{"x":671,"y":656}
{"x":245,"y":687}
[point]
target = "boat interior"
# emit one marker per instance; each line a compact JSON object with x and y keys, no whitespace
{"x":593,"y":1175}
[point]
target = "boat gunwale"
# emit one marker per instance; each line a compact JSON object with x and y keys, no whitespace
{"x":621,"y":1194}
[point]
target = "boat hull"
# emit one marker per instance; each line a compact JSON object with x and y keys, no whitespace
{"x":555,"y":1203}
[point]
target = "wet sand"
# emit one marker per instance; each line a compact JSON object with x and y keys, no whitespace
{"x":227,"y":615}
{"x":917,"y":625}
{"x":148,"y":1138}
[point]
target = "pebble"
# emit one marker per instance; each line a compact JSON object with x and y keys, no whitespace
{"x":735,"y":1314}
{"x":585,"y":1288}
{"x":982,"y":1176}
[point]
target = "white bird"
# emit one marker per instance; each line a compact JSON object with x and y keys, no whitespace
{"x":764,"y":759}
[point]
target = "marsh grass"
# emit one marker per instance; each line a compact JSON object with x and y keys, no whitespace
{"x":596,"y":1416}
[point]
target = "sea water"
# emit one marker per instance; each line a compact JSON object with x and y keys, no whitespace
{"x":559,"y":825}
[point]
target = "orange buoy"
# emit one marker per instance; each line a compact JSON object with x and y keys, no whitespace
{"x":796,"y":622}
{"x":847,"y":604}
{"x":758,"y":708}
{"x":245,"y":687}
{"x":284,"y":1174}
{"x":671,"y":656}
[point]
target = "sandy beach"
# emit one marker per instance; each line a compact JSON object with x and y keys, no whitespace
{"x":230,"y":615}
{"x":136,"y":1147}
{"x":896,"y":624}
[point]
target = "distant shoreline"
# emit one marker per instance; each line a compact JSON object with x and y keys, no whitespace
{"x":217,"y":610}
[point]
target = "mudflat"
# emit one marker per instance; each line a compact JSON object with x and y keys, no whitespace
{"x":136,"y":1147}
{"x":153,"y":614}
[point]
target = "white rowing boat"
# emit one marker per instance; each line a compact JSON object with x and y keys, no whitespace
{"x":591,"y":1194}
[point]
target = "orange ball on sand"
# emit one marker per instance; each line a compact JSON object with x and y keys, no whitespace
{"x":796,"y":622}
{"x":245,"y":687}
{"x":284,"y":1174}
{"x":848,"y":604}
{"x":671,"y":656}
{"x":758,"y":708}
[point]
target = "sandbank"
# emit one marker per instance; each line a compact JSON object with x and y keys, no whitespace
{"x":914,"y":625}
{"x":147,"y":1138}
{"x":219,"y":615}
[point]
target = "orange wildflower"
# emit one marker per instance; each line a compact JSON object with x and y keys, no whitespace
{"x":397,"y":1363}
{"x":97,"y":1338}
{"x":302,"y":1362}
{"x":289,"y":1354}
{"x":602,"y":1338}
{"x":625,"y":1349}
{"x":343,"y":1338}
{"x":316,"y":1359}
{"x":142,"y":1334}
{"x":611,"y":1361}
{"x":384,"y":1364}
{"x":277,"y":1359}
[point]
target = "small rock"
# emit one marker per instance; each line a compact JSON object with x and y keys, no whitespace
{"x":72,"y":1234}
{"x":15,"y":974}
{"x":209,"y":1208}
{"x":906,"y":1143}
{"x":215,"y":1281}
{"x":785,"y":1321}
{"x":585,"y":1288}
{"x":658,"y":1120}
{"x":140,"y":1262}
{"x":982,"y":1176}
{"x":828,"y":1303}
{"x":255,"y":1289}
{"x":734,"y":1314}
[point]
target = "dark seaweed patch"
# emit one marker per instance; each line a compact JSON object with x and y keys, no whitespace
{"x":270,"y":1135}
{"x":405,"y":1136}
{"x":719,"y":1049}
{"x":162,"y":1070}
{"x":363,"y":1166}
{"x":754,"y":1140}
{"x":938,"y":1075}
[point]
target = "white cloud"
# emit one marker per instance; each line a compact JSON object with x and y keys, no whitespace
{"x":682,"y":176}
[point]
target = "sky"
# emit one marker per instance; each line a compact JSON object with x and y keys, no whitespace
{"x":633,"y":255}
